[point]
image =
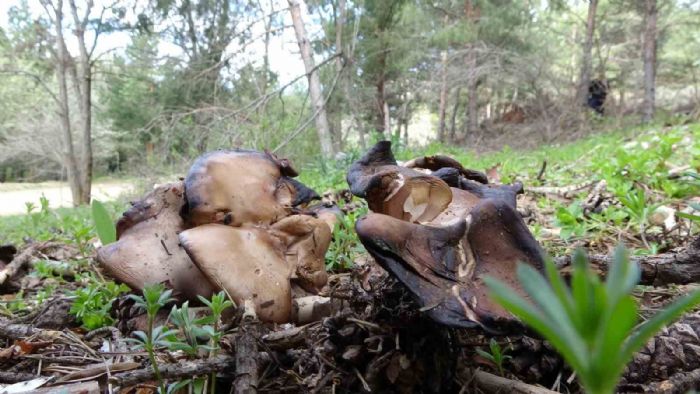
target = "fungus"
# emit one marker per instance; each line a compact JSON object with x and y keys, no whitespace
{"x":394,"y":190}
{"x":443,"y":260}
{"x":148,"y":251}
{"x":238,"y":222}
{"x":238,"y":187}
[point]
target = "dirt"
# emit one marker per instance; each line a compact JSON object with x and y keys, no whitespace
{"x":13,"y":196}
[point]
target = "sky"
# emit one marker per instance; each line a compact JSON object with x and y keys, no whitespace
{"x":284,"y":51}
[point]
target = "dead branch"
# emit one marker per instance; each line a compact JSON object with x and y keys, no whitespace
{"x":172,"y":371}
{"x":563,"y":191}
{"x":22,"y":259}
{"x":247,"y":353}
{"x":18,"y":331}
{"x":15,"y":377}
{"x":680,"y":382}
{"x":679,"y":266}
{"x":495,"y":384}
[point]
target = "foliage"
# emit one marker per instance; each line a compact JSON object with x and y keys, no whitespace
{"x":594,"y":325}
{"x":154,"y":298}
{"x":93,"y":302}
{"x":104,"y":226}
{"x":495,"y":354}
{"x":344,"y":246}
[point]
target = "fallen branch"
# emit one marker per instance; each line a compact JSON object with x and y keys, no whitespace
{"x":680,"y":382}
{"x":22,"y":259}
{"x":681,"y":266}
{"x":18,"y":331}
{"x":563,"y":191}
{"x":15,"y":377}
{"x":173,"y":371}
{"x":491,"y":383}
{"x":246,"y":353}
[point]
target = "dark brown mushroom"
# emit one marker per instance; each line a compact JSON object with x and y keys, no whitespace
{"x":437,"y":162}
{"x":443,"y":260}
{"x":239,"y":187}
{"x":397,"y":191}
{"x":148,"y":250}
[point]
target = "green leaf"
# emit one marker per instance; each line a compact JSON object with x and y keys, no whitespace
{"x":689,"y":216}
{"x":104,"y":225}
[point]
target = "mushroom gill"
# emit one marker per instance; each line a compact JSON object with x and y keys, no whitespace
{"x":148,"y":250}
{"x":394,"y":190}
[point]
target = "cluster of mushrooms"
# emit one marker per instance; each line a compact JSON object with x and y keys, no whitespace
{"x":241,"y":223}
{"x":238,"y":222}
{"x":439,"y":228}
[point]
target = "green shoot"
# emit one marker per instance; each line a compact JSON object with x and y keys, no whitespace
{"x":495,"y":354}
{"x":594,"y":325}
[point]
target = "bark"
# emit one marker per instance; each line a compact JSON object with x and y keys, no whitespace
{"x":453,"y":118}
{"x":62,"y":64}
{"x":318,"y":102}
{"x":380,"y":83}
{"x":173,"y":371}
{"x":675,"y":267}
{"x":496,"y":384}
{"x":472,"y":15}
{"x":649,"y":48}
{"x":585,"y":78}
{"x":83,"y":86}
{"x":442,"y":107}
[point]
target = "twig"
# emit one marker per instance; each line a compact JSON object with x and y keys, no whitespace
{"x":23,"y":258}
{"x":496,"y":384}
{"x":172,"y":371}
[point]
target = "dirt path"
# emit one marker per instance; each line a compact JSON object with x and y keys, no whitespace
{"x":13,"y":196}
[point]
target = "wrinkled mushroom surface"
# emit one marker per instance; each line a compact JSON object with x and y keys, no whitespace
{"x":148,"y":250}
{"x":239,"y":187}
{"x":443,"y":261}
{"x":239,"y":223}
{"x":247,"y":262}
{"x":394,"y":190}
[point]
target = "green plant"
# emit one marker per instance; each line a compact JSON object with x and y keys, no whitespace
{"x":92,"y":303}
{"x":154,"y":298}
{"x":103,"y":223}
{"x":495,"y":354}
{"x":344,"y":245}
{"x":593,"y":325}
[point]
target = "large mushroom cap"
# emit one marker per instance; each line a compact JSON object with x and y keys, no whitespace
{"x":237,"y":187}
{"x":442,"y":248}
{"x":444,"y":266}
{"x":247,"y":262}
{"x":148,"y":250}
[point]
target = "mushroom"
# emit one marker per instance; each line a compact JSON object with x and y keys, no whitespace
{"x":394,"y":190}
{"x":437,"y":162}
{"x":443,"y":261}
{"x":238,"y":222}
{"x":257,"y":263}
{"x":148,"y":251}
{"x":247,"y":262}
{"x":242,"y":186}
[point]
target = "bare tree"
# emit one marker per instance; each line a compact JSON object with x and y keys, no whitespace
{"x":317,"y":100}
{"x":472,"y":14}
{"x":585,"y":79}
{"x":75,"y":73}
{"x":649,"y":48}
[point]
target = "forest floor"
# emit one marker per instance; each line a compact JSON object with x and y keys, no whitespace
{"x":63,"y":322}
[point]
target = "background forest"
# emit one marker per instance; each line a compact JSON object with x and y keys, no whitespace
{"x":118,"y":88}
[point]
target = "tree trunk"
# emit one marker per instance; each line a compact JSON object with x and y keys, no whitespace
{"x":472,"y":124}
{"x":62,"y":60}
{"x":585,"y":79}
{"x":317,"y":100}
{"x":380,"y":116}
{"x":339,"y":65}
{"x":84,"y":89}
{"x":651,"y":15}
{"x":442,"y":108}
{"x":453,"y":118}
